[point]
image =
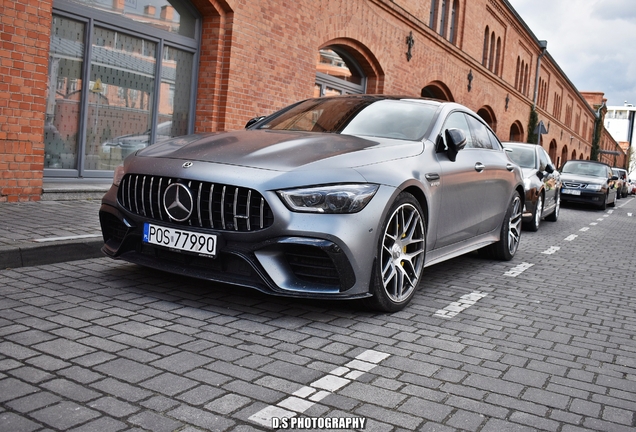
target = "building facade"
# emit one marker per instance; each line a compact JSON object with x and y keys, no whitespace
{"x":86,"y":82}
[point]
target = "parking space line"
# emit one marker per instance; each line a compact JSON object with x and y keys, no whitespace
{"x":570,"y":237}
{"x":516,"y":271}
{"x":464,"y":302}
{"x":305,"y":397}
{"x":551,"y":250}
{"x":629,"y":214}
{"x":584,"y":229}
{"x":594,"y":223}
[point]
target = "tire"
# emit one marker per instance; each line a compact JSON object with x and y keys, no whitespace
{"x":603,"y":205}
{"x":533,"y":225}
{"x":400,"y":255}
{"x":510,"y":234}
{"x":552,"y":217}
{"x":613,"y":203}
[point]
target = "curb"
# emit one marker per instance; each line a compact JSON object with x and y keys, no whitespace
{"x":28,"y":254}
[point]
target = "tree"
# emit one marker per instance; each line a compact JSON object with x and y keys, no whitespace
{"x":532,"y":125}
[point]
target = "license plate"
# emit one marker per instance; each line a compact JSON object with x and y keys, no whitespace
{"x":188,"y":241}
{"x":571,"y":192}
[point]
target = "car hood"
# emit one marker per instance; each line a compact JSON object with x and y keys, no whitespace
{"x":577,"y":178}
{"x":283,"y":150}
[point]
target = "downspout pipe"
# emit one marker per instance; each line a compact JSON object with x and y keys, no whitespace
{"x":543,"y":44}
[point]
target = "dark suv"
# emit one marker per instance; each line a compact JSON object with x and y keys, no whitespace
{"x":588,"y":182}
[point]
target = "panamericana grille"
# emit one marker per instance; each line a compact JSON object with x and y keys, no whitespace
{"x":215,"y":206}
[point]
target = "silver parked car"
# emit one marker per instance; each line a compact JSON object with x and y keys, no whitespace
{"x":333,"y":198}
{"x":541,"y":180}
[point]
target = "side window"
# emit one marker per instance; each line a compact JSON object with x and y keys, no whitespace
{"x":480,"y":133}
{"x":494,"y":141}
{"x":457,"y":120}
{"x":544,"y":159}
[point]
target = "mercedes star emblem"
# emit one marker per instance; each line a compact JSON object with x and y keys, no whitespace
{"x":187,"y":164}
{"x":178,"y":202}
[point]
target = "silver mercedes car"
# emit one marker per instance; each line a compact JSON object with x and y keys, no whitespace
{"x":333,"y":198}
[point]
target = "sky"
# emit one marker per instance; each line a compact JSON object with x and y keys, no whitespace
{"x":592,"y":41}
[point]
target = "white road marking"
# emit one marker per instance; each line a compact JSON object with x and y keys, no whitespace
{"x":48,"y":239}
{"x":584,"y":229}
{"x":516,"y":271}
{"x":570,"y":237}
{"x":305,"y":397}
{"x":465,"y":301}
{"x":610,"y":211}
{"x":594,"y":223}
{"x":551,"y":250}
{"x":629,"y":214}
{"x":600,"y":219}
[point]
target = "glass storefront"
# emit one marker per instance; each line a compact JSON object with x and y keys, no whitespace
{"x":112,"y":91}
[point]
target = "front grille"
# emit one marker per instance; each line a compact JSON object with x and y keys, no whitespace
{"x":311,"y":264}
{"x":215,"y":206}
{"x":574,"y":185}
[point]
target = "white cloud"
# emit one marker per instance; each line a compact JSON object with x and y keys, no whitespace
{"x":593,"y":41}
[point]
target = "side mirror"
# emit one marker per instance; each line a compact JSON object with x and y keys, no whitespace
{"x":540,"y":174}
{"x":549,"y":168}
{"x":614,"y":177}
{"x":253,"y":121}
{"x":456,"y":141}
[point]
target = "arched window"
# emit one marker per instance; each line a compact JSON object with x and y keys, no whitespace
{"x":564,"y":155}
{"x":484,"y":59}
{"x":553,"y":151}
{"x":337,"y":73}
{"x":517,"y":73}
{"x":491,"y":55}
{"x":525,"y":81}
{"x":498,"y":56}
{"x":438,"y":90}
{"x":516,"y":132}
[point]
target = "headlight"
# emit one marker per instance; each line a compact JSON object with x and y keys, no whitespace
{"x":594,"y":187}
{"x":346,"y":198}
{"x":119,"y":174}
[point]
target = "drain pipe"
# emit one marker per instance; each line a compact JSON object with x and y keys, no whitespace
{"x":543,"y":44}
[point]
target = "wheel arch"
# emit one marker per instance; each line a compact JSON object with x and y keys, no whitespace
{"x":421,"y":198}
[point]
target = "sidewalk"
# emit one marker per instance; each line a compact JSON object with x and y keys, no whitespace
{"x":63,"y":226}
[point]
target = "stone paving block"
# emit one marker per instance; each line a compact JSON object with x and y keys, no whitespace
{"x":121,"y":390}
{"x":182,"y":362}
{"x":102,"y":424}
{"x":391,"y":417}
{"x":127,"y":370}
{"x":10,"y":422}
{"x":250,"y":390}
{"x":228,"y":404}
{"x":33,"y":402}
{"x":424,"y":409}
{"x":169,"y":384}
{"x":154,"y":422}
{"x":11,"y":388}
{"x":16,"y":351}
{"x":113,"y":407}
{"x":64,"y":349}
{"x":203,"y":419}
{"x":64,"y":415}
{"x":160,"y":403}
{"x":464,"y":420}
{"x":30,"y":374}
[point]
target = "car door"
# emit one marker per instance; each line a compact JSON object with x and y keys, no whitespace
{"x":550,"y":180}
{"x":461,"y":209}
{"x":495,"y":171}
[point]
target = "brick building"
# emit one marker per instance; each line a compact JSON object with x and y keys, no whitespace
{"x":85,"y":82}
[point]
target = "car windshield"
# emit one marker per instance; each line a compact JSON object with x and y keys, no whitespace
{"x":525,"y":157}
{"x":583,"y":168}
{"x":400,"y":119}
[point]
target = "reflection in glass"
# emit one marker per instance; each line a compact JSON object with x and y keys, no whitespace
{"x":171,"y":16}
{"x":330,"y":63}
{"x":64,"y":94}
{"x":174,"y":97}
{"x":122,"y":82}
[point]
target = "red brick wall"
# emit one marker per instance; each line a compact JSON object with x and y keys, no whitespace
{"x":24,"y":38}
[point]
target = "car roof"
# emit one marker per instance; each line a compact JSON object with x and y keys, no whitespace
{"x":587,"y":161}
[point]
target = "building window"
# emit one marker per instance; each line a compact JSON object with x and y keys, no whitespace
{"x":337,"y":73}
{"x":103,"y":106}
{"x":442,"y":23}
{"x":484,"y":58}
{"x":433,"y":16}
{"x":453,"y":22}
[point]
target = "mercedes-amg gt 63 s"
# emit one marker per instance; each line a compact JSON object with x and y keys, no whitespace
{"x":332,"y":198}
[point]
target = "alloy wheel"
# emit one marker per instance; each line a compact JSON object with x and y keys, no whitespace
{"x":514,"y":225}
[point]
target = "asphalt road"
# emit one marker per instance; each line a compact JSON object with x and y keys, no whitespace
{"x":544,"y":342}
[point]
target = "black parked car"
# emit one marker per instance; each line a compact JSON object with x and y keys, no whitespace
{"x":588,"y":182}
{"x":542,"y":183}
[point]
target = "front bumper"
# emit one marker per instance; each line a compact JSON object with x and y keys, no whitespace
{"x":300,"y":255}
{"x":585,"y":197}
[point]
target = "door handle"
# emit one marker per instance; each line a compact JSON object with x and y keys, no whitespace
{"x":479,"y":167}
{"x":510,"y":167}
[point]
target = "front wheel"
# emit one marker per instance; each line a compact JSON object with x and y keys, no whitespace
{"x":552,"y":217}
{"x":400,"y":256}
{"x":510,"y":233}
{"x":533,"y":225}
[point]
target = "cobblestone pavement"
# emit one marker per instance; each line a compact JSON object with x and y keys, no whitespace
{"x":544,"y":342}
